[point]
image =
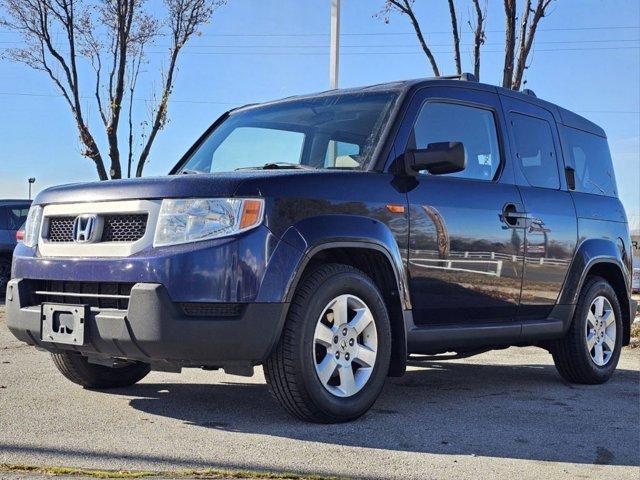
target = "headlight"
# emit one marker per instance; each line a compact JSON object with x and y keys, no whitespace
{"x":194,"y":219}
{"x":32,"y":226}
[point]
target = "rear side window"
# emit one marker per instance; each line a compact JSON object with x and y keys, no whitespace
{"x":589,"y":156}
{"x":474,"y":127}
{"x":535,"y":150}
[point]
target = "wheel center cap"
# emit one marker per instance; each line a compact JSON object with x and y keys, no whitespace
{"x":343,"y":345}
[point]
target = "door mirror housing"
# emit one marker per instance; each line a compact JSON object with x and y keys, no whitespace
{"x":438,"y":158}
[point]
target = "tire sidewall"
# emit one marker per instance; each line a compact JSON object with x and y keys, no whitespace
{"x":599,"y":288}
{"x":354,"y":284}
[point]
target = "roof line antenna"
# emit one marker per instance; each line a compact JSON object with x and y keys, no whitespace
{"x":531,"y":93}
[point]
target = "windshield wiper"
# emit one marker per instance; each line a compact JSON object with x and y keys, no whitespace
{"x":279,"y":166}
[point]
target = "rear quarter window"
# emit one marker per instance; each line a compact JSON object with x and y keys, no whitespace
{"x":589,"y":156}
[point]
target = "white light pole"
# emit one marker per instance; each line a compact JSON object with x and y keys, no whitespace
{"x":335,"y":44}
{"x":31,"y":181}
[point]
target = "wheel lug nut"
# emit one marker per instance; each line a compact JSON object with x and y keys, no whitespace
{"x":335,"y":339}
{"x":346,"y":356}
{"x":344,"y":331}
{"x":338,"y":355}
{"x":351,"y":342}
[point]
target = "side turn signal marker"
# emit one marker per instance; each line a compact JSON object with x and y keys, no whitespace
{"x":251,"y":213}
{"x":395,"y":208}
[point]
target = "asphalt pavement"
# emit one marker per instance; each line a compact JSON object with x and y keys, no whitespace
{"x":501,"y":414}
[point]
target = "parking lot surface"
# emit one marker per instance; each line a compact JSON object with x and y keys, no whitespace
{"x":501,"y":414}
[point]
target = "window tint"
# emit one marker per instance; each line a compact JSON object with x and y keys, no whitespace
{"x":342,"y":155}
{"x":589,"y":155}
{"x":474,"y":127}
{"x":535,"y":150}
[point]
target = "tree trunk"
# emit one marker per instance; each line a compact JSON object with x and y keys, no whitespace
{"x":92,"y":150}
{"x":478,"y":38}
{"x":456,"y":36}
{"x":509,"y":42}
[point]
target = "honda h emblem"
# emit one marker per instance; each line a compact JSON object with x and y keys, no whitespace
{"x":85,"y":228}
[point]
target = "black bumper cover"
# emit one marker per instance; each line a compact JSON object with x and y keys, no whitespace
{"x":156,"y":330}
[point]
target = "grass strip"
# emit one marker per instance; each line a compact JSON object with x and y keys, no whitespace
{"x":186,"y":473}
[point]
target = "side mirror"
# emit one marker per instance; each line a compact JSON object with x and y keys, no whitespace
{"x":438,"y":158}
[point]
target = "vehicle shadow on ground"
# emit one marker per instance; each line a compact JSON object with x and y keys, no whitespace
{"x":524,"y":412}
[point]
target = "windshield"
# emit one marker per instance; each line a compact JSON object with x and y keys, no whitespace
{"x":329,"y":131}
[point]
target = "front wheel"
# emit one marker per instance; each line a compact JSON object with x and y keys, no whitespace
{"x":332,"y":359}
{"x":77,"y":368}
{"x":591,"y":348}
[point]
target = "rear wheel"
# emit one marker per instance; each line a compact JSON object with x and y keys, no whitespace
{"x":332,"y":359}
{"x":590,"y":351}
{"x":78,"y":369}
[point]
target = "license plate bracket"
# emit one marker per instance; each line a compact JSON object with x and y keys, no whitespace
{"x":64,"y":323}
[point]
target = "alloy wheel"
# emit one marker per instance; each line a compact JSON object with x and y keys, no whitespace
{"x":345,"y":345}
{"x":600,"y":331}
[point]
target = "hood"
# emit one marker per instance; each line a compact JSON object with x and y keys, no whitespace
{"x":173,"y":186}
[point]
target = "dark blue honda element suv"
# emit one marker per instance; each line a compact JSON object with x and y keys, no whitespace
{"x":332,"y":237}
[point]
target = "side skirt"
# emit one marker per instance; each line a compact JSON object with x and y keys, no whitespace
{"x":436,"y":339}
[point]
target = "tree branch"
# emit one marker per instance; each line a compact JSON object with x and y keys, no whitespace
{"x":526,"y":41}
{"x":404,"y":6}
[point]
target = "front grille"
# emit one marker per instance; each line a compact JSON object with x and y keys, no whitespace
{"x":97,"y":294}
{"x":117,"y":228}
{"x":124,"y":228}
{"x":60,"y":229}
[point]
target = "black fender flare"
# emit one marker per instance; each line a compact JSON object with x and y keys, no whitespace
{"x":315,"y":234}
{"x":589,"y":253}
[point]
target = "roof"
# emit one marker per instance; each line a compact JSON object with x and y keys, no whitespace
{"x":13,"y":201}
{"x":566,"y":117}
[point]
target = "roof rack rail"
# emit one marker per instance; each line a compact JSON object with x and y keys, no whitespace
{"x":531,"y":93}
{"x":465,"y":77}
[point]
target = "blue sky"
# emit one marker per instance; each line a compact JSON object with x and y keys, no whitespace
{"x":587,"y":59}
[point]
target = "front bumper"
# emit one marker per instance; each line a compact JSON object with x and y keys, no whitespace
{"x":156,"y":330}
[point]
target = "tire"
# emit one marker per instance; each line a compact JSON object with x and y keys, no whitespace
{"x":291,"y":369}
{"x":78,"y":369}
{"x":5,"y":275}
{"x":571,"y":355}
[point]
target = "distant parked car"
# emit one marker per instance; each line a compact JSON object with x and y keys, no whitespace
{"x":13,"y":214}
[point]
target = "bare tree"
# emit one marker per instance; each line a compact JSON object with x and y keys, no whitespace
{"x":111,"y":36}
{"x":185,"y":17}
{"x":527,"y":35}
{"x":518,"y":45}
